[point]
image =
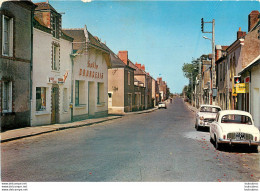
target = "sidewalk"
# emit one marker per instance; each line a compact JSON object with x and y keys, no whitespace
{"x":193,"y":109}
{"x":38,"y":130}
{"x":140,"y":112}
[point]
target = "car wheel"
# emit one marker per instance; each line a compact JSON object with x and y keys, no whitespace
{"x":197,"y":127}
{"x":254,"y":148}
{"x":218,"y":146}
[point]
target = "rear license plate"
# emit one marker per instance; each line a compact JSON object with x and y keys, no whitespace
{"x":240,"y":136}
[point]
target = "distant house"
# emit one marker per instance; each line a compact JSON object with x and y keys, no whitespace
{"x":91,"y":60}
{"x":51,"y":71}
{"x":146,"y":79}
{"x":221,"y":76}
{"x":15,"y":63}
{"x":121,"y":94}
{"x":155,"y":92}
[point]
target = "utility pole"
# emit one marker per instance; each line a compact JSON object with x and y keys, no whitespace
{"x":200,"y":83}
{"x":213,"y":71}
{"x":191,"y":89}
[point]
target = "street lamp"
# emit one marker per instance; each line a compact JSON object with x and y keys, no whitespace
{"x":207,"y":38}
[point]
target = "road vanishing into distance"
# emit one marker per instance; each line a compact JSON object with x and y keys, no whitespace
{"x":161,"y":146}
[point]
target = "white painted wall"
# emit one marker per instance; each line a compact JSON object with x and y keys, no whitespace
{"x":42,"y":69}
{"x":255,"y":95}
{"x":80,"y":62}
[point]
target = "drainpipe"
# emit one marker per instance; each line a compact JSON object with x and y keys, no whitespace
{"x":31,"y":67}
{"x":249,"y":104}
{"x":72,"y":56}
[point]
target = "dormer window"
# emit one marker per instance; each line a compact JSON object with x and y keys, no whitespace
{"x":55,"y":26}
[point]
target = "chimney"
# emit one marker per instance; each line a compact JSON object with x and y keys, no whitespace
{"x":138,"y":65}
{"x":240,"y":34}
{"x":123,"y":55}
{"x":143,"y":67}
{"x":218,"y":52}
{"x":252,"y":19}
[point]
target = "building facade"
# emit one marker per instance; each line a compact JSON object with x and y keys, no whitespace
{"x":16,"y":62}
{"x":51,"y":71}
{"x":91,"y":60}
{"x":121,"y":94}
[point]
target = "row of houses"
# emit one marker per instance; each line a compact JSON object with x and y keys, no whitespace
{"x":237,"y":73}
{"x":50,"y":75}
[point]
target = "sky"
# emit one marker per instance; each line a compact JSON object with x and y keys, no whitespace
{"x":162,"y":35}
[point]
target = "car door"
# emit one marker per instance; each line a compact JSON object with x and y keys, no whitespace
{"x":213,"y":126}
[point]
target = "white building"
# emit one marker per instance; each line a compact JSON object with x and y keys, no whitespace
{"x":51,"y":76}
{"x":91,"y":61}
{"x":252,"y":72}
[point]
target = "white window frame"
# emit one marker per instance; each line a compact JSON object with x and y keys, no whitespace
{"x":8,"y":99}
{"x":43,"y":108}
{"x":10,"y":37}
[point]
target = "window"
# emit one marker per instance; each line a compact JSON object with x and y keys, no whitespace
{"x":55,"y":57}
{"x":55,"y":26}
{"x":65,"y":100}
{"x":236,"y":118}
{"x":7,"y":97}
{"x":100,"y":93}
{"x":80,"y":99}
{"x":40,"y":99}
{"x":7,"y":36}
{"x":77,"y":92}
{"x":128,"y":78}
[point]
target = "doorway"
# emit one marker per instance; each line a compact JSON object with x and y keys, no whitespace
{"x":55,"y":104}
{"x":130,"y":102}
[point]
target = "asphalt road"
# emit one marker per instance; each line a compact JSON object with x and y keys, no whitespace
{"x":161,"y":146}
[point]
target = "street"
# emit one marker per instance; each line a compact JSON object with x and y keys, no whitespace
{"x":161,"y":146}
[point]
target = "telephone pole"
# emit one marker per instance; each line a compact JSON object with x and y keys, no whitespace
{"x":213,"y":71}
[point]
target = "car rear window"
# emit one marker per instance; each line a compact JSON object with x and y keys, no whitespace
{"x":234,"y":118}
{"x":209,"y":109}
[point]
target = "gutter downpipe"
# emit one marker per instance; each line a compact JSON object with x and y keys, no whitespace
{"x":31,"y":66}
{"x":72,"y":56}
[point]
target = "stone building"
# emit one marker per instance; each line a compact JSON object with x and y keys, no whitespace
{"x":121,"y":94}
{"x":146,"y":79}
{"x":221,"y":76}
{"x":15,"y":63}
{"x":155,"y":92}
{"x":51,"y":71}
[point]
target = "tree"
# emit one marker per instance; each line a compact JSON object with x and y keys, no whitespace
{"x":191,"y":71}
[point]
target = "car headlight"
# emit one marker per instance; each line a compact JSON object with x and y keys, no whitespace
{"x":201,"y":118}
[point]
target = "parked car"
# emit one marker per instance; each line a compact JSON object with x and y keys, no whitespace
{"x":234,"y":127}
{"x":162,"y":105}
{"x":206,"y":115}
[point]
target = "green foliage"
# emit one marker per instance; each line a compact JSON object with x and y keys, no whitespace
{"x":191,"y":71}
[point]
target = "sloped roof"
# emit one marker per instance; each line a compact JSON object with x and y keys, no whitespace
{"x":78,"y":36}
{"x":44,"y":6}
{"x":115,"y":61}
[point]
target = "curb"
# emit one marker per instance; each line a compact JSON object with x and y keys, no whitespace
{"x":59,"y":129}
{"x":140,"y":112}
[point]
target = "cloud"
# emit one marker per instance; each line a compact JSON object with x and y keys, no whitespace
{"x":86,"y":1}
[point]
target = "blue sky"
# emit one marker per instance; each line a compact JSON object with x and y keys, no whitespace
{"x":160,"y":34}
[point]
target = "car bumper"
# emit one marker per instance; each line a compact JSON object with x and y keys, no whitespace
{"x":243,"y":142}
{"x":204,"y":124}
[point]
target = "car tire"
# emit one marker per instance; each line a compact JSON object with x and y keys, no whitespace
{"x":197,"y":127}
{"x":254,"y":149}
{"x":218,"y":146}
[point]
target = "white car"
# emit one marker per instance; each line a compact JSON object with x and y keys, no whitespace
{"x":234,"y":127}
{"x":162,"y":105}
{"x":206,"y":115}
